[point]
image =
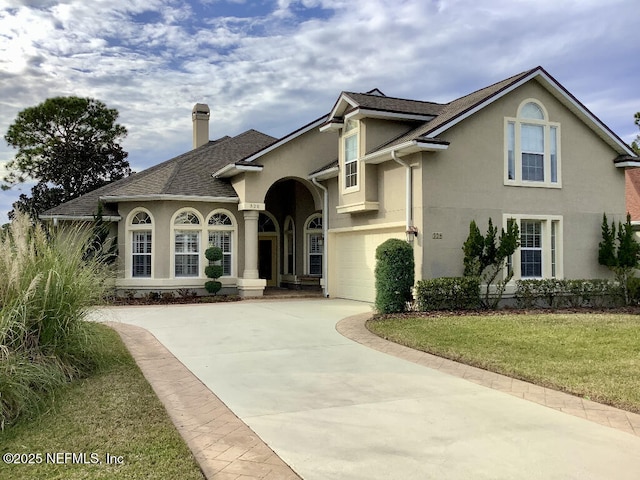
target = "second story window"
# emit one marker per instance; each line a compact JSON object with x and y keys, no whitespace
{"x":532,"y":148}
{"x":350,"y":152}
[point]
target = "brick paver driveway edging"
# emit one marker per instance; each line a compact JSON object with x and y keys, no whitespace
{"x":224,"y":447}
{"x":354,"y":327}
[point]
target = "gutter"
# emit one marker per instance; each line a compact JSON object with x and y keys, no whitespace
{"x":409,"y":192}
{"x":325,"y":227}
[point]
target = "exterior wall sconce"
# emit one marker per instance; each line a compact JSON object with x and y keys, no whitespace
{"x":321,"y":241}
{"x":412,"y":233}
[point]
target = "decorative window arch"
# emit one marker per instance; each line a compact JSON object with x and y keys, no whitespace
{"x":186,"y":226}
{"x":289,"y":246}
{"x":532,"y":147}
{"x":266,"y":223}
{"x":314,"y":242}
{"x":221,"y":231}
{"x":139,"y":226}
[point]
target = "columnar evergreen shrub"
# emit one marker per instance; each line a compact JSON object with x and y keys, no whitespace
{"x":448,"y":293}
{"x":486,"y":257}
{"x":213,"y":254}
{"x":394,"y":274}
{"x":619,"y":252}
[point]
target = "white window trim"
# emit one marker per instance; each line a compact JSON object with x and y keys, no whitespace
{"x":234,"y":238}
{"x":343,"y":141}
{"x":307,"y":233}
{"x":289,"y":226}
{"x":172,"y":247}
{"x":129,"y":229}
{"x":518,"y":122}
{"x":546,"y":221}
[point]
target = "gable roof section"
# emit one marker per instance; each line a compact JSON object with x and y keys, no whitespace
{"x":187,"y":176}
{"x":247,"y":163}
{"x":462,"y":108}
{"x":376,"y":104}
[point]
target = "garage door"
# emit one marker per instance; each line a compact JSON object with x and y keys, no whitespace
{"x":353,"y":263}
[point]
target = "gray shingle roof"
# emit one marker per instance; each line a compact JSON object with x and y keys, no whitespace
{"x":456,"y":108}
{"x":394,"y":105}
{"x":188,"y":174}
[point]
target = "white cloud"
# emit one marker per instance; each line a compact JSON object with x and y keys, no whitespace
{"x":277,"y":71}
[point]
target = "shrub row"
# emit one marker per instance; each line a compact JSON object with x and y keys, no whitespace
{"x":555,"y":293}
{"x":448,"y":293}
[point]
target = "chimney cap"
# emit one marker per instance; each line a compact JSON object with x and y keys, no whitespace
{"x":201,"y":108}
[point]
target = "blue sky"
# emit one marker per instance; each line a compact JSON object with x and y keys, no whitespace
{"x":274,"y":65}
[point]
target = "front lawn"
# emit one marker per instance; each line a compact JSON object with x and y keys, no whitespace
{"x":596,"y":356}
{"x":114,"y":411}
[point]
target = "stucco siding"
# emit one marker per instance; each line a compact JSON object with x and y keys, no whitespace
{"x":466,"y":182}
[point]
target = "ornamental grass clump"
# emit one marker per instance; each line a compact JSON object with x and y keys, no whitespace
{"x":46,"y":286}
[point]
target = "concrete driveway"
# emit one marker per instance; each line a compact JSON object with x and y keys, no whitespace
{"x":334,"y":409}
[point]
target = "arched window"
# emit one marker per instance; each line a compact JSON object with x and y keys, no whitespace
{"x":532,"y":147}
{"x":314,"y":244}
{"x":266,"y":224}
{"x":140,"y":226}
{"x":186,"y":237}
{"x":221,"y":229}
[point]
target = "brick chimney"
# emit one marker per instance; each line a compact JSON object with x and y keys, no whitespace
{"x":200,"y":117}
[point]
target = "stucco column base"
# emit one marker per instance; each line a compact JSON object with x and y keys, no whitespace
{"x":251,"y":287}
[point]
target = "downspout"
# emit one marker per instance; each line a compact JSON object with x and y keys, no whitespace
{"x":408,"y":189}
{"x":325,"y":227}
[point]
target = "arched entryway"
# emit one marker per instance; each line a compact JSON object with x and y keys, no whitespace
{"x":290,"y":203}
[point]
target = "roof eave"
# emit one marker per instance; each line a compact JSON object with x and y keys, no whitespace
{"x":359,"y":113}
{"x":325,"y":174}
{"x":406,"y":148}
{"x":234,"y":169}
{"x":167,"y":196}
{"x":628,"y":163}
{"x":561,"y":93}
{"x":82,"y":218}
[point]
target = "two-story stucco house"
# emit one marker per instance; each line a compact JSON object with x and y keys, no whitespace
{"x":311,"y":207}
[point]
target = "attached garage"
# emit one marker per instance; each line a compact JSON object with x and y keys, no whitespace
{"x":352,"y":261}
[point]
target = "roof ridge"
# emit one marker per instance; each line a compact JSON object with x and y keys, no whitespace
{"x":395,"y":98}
{"x":506,"y":81}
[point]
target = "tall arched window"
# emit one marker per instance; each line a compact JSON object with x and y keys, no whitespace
{"x":186,"y":235}
{"x":314,"y":244}
{"x":532,"y":147}
{"x":140,"y":224}
{"x":221,"y":228}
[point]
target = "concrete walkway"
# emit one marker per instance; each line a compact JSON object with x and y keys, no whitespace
{"x":335,"y":409}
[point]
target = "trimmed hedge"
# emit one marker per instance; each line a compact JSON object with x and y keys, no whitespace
{"x":448,"y":293}
{"x":394,"y":275}
{"x":553,"y":293}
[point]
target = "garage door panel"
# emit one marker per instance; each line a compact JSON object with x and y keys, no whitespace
{"x":354,"y":263}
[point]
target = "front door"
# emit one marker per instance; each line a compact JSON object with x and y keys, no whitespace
{"x":267,"y":260}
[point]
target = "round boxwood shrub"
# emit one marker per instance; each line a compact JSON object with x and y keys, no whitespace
{"x":394,"y":275}
{"x":213,"y":254}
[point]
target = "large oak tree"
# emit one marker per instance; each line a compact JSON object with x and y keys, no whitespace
{"x":69,"y":146}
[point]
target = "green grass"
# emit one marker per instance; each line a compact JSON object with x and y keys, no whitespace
{"x":596,"y":356}
{"x":114,"y":411}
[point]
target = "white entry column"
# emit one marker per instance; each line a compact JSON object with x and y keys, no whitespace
{"x":250,"y":285}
